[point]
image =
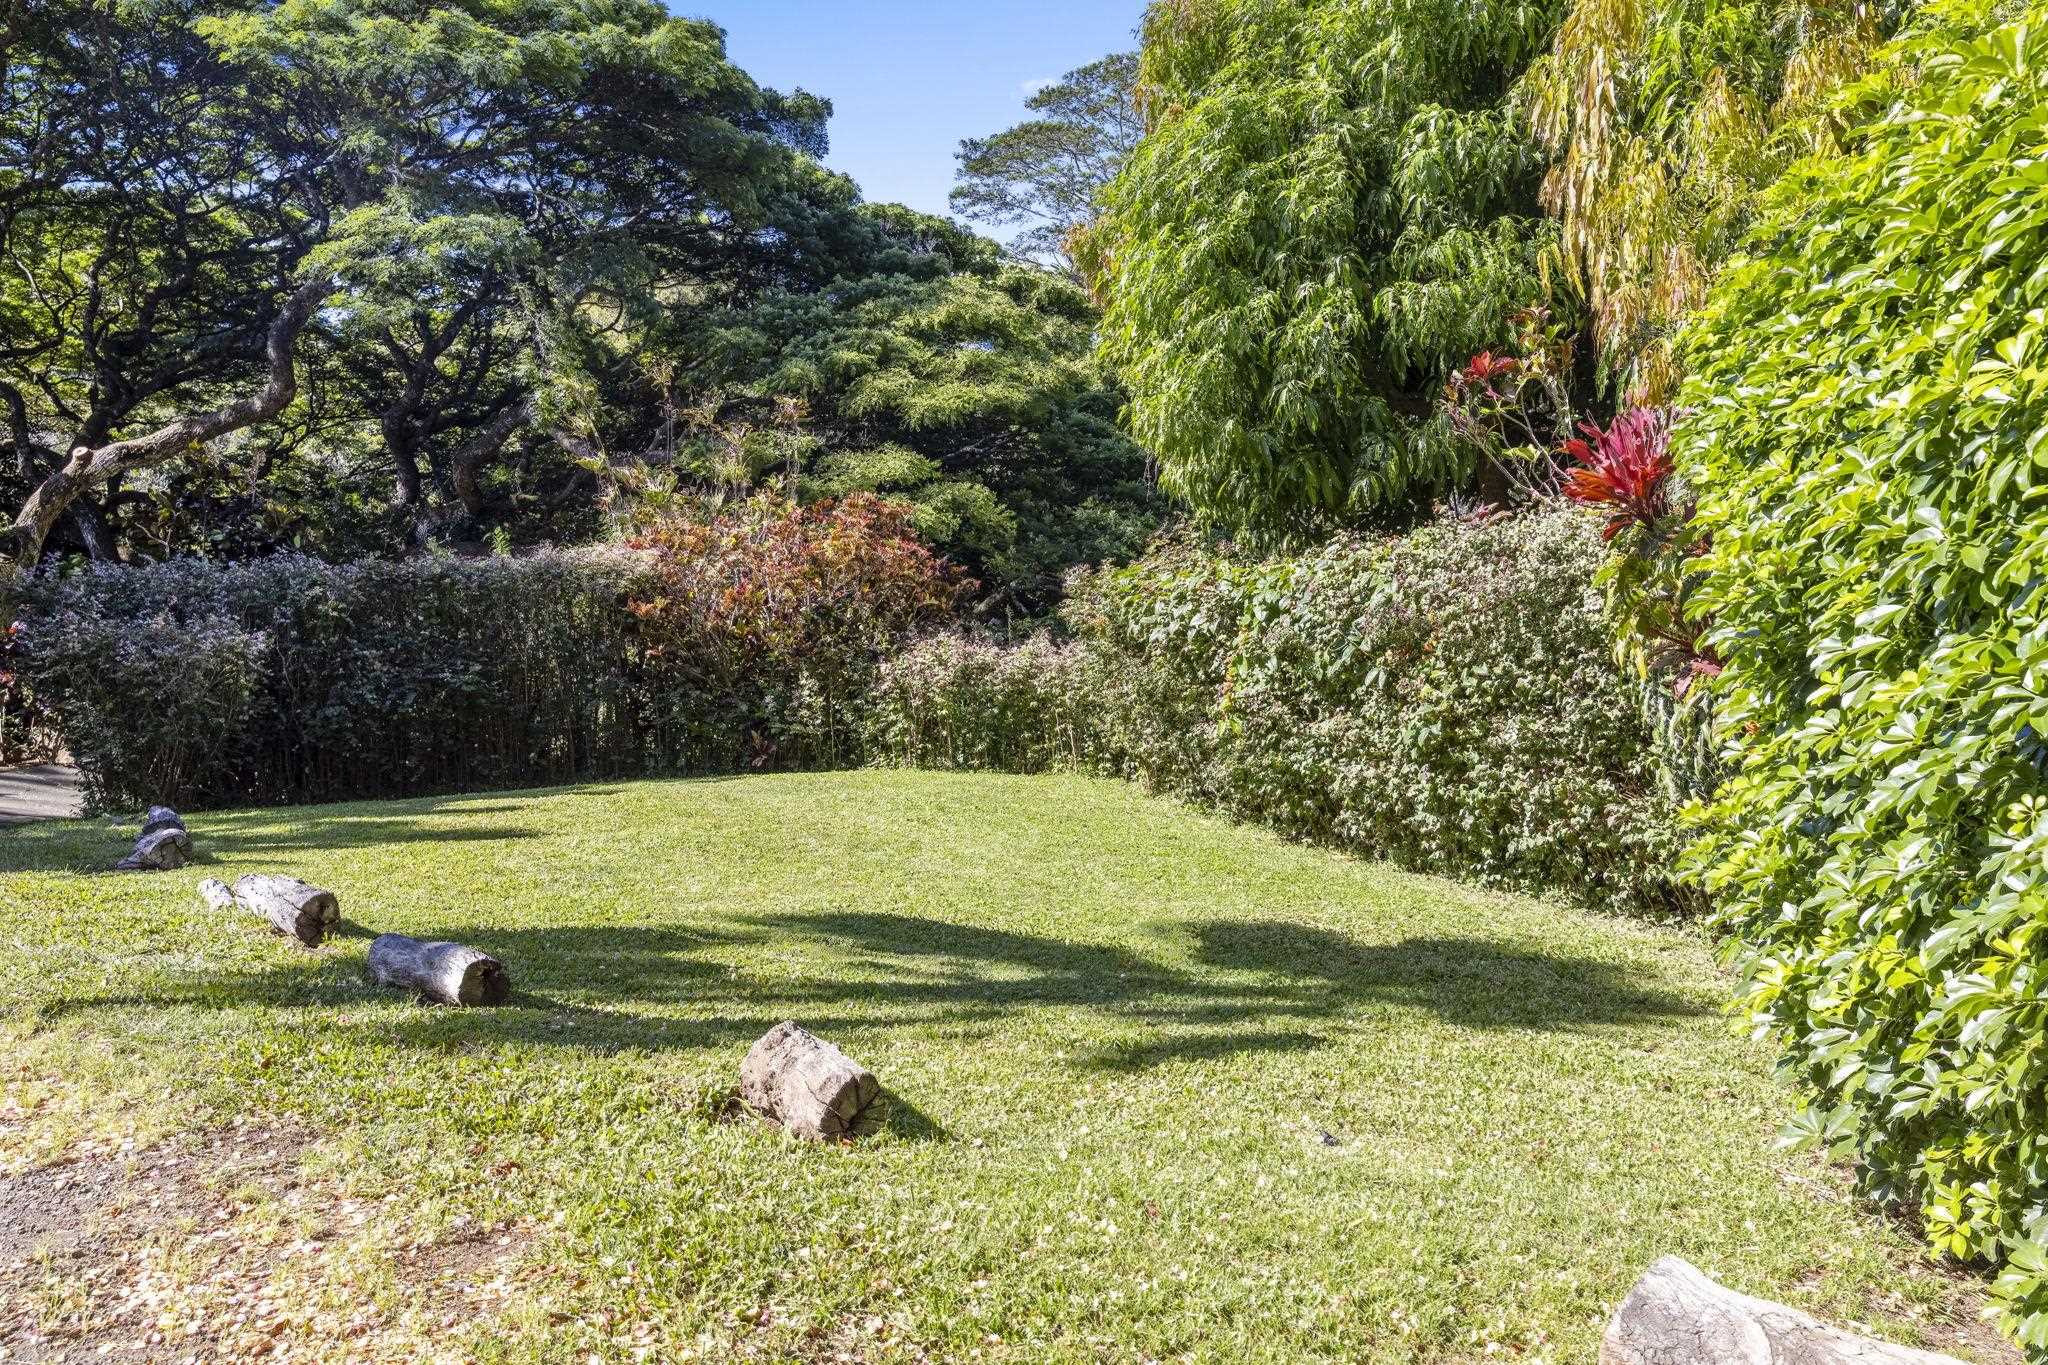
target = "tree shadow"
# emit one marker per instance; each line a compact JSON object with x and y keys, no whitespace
{"x":1241,"y":986}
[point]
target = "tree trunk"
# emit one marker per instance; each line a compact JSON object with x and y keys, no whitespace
{"x":472,"y":455}
{"x":447,"y":972}
{"x":89,"y":466}
{"x":810,"y":1087}
{"x":292,"y":907}
{"x":1677,"y":1316}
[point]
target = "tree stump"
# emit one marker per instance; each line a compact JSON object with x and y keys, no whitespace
{"x":1677,"y":1316}
{"x":447,"y":972}
{"x":293,"y":908}
{"x":810,"y":1087}
{"x":167,"y":850}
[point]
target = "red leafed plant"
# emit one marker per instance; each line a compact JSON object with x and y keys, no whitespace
{"x":1627,"y":468}
{"x":749,"y":608}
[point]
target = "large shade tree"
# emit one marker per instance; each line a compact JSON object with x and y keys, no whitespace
{"x":937,"y":375}
{"x":463,"y":198}
{"x":1332,"y":206}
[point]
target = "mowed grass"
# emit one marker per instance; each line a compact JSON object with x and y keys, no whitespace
{"x":1164,"y":1087}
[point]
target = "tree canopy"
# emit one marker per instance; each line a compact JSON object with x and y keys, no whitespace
{"x":1333,"y":204}
{"x":1047,"y":174}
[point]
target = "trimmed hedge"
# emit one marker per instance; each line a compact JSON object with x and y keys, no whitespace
{"x":747,"y":639}
{"x":1448,"y":700}
{"x":292,"y":680}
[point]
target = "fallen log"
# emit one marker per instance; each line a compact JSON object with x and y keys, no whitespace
{"x":293,"y":908}
{"x":810,"y":1087}
{"x":167,"y":850}
{"x":161,"y":818}
{"x":1677,"y":1316}
{"x":447,"y":972}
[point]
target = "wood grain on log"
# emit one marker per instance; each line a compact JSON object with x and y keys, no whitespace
{"x":1677,"y":1316}
{"x":447,"y":972}
{"x":167,"y":850}
{"x":809,"y":1086}
{"x":292,"y":907}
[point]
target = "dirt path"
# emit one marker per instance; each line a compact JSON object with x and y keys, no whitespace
{"x":40,"y":791}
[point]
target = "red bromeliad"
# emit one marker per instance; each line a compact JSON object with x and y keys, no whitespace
{"x":1626,"y":467}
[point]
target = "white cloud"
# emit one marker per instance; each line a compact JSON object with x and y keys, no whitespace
{"x":1029,"y":88}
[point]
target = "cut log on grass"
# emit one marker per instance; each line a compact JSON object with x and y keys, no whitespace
{"x":810,"y":1087}
{"x":447,"y":972}
{"x":161,"y":818}
{"x":1677,"y":1316}
{"x":292,"y":907}
{"x":167,"y":850}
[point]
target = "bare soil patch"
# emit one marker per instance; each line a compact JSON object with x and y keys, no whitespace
{"x":216,"y":1248}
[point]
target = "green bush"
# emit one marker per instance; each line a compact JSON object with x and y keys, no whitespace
{"x":1446,"y":699}
{"x":951,"y":702}
{"x":289,"y":679}
{"x":1867,"y":440}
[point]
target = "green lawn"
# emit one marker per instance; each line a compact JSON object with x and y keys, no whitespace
{"x":1164,"y":1087}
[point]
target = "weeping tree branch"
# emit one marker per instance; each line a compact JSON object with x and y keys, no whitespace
{"x":90,"y":466}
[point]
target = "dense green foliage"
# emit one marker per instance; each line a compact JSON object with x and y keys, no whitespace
{"x":949,"y":701}
{"x":358,"y":277}
{"x":967,"y":389}
{"x":1332,"y":207}
{"x":1445,"y":699}
{"x":742,"y":641}
{"x":1666,"y":119}
{"x":1047,"y":174}
{"x":1869,"y":409}
{"x":480,"y":198}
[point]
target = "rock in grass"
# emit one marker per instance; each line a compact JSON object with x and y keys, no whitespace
{"x":447,"y":972}
{"x":810,"y":1087}
{"x":167,"y":850}
{"x":294,"y":908}
{"x":1677,"y":1316}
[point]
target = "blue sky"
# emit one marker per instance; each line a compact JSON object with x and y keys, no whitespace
{"x":909,"y":79}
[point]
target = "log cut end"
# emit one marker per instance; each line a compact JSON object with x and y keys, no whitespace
{"x":167,"y":850}
{"x":810,"y":1087}
{"x":1677,"y":1316}
{"x":447,"y":972}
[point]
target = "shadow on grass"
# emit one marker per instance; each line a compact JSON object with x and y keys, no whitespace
{"x":1253,"y":986}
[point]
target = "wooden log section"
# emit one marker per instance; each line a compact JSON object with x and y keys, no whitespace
{"x":1677,"y":1316}
{"x":810,"y":1087}
{"x":292,"y":907}
{"x":167,"y":850}
{"x":447,"y":972}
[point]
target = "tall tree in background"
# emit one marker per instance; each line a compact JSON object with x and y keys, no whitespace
{"x":1332,"y":207}
{"x":939,"y":376}
{"x":1047,"y":173}
{"x":1666,"y":118}
{"x":472,"y":201}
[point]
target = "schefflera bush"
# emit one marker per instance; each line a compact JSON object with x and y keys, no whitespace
{"x":1869,"y":439}
{"x":1446,"y":699}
